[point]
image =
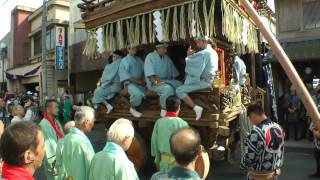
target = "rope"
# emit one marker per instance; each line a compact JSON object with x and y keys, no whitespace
{"x":165,"y":23}
{"x":175,"y":30}
{"x":182,"y":27}
{"x":136,"y":38}
{"x":144,"y":34}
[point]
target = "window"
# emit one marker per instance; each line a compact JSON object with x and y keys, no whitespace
{"x":311,"y":14}
{"x":25,"y":53}
{"x":37,"y":44}
{"x":50,"y":39}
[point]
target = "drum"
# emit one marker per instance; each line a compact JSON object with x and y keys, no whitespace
{"x":137,"y":153}
{"x":203,"y":165}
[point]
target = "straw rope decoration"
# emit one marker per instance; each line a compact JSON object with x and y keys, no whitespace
{"x":198,"y":25}
{"x":232,"y":28}
{"x":186,"y":22}
{"x":90,"y":48}
{"x":107,"y":38}
{"x":113,"y":45}
{"x":120,"y":39}
{"x":190,"y":20}
{"x":182,"y":28}
{"x":136,"y":38}
{"x":212,"y":31}
{"x":175,"y":29}
{"x":151,"y":29}
{"x":143,"y":32}
{"x":206,"y":17}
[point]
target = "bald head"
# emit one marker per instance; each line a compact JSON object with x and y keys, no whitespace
{"x":185,"y":144}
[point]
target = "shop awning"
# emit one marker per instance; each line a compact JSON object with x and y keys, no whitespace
{"x":24,"y":71}
{"x":299,"y":51}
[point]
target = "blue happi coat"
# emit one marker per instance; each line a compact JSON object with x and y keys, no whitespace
{"x":110,"y":83}
{"x":164,"y":69}
{"x":200,"y":68}
{"x":132,"y":67}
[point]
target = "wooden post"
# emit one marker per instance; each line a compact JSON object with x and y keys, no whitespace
{"x":286,"y":64}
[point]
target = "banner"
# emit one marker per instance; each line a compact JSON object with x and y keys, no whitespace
{"x":269,"y":79}
{"x":60,"y":46}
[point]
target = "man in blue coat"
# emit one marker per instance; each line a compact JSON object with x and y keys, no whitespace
{"x":200,"y":69}
{"x":131,"y":75}
{"x":160,"y":74}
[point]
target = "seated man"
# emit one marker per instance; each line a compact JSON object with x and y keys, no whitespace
{"x":131,"y":75}
{"x":186,"y":147}
{"x":200,"y":69}
{"x":112,"y":162}
{"x":163,"y":129}
{"x":160,"y":74}
{"x":110,"y":82}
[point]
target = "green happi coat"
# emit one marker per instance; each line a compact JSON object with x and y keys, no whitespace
{"x":77,"y":154}
{"x":112,"y":163}
{"x":59,"y":166}
{"x":160,"y":144}
{"x":50,"y":141}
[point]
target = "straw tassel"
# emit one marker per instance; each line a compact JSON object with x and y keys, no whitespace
{"x":143,"y":31}
{"x":182,"y":23}
{"x":137,"y":32}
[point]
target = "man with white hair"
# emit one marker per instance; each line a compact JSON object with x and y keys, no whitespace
{"x":112,"y":162}
{"x":77,"y":150}
{"x":18,"y":112}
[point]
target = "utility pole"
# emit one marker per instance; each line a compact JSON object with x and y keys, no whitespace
{"x":44,"y":85}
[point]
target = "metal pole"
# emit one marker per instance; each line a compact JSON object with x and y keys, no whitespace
{"x":44,"y":86}
{"x":286,"y":64}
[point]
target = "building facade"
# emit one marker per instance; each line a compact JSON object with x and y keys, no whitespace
{"x":298,"y":30}
{"x":84,"y":73}
{"x":25,"y":74}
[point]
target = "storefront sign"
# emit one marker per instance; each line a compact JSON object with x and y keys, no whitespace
{"x":60,"y":46}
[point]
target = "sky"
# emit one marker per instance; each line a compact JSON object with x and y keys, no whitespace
{"x":5,"y":12}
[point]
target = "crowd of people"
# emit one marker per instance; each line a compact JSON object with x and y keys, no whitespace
{"x":28,"y":148}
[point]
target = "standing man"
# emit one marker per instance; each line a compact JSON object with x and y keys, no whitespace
{"x":19,"y":113}
{"x":131,"y":75}
{"x":264,"y":147}
{"x":52,"y":131}
{"x":162,"y":131}
{"x":78,"y":151}
{"x":22,"y":150}
{"x":200,"y":69}
{"x":160,"y":74}
{"x":292,"y":109}
{"x":185,"y":145}
{"x":112,"y":162}
{"x":110,"y":82}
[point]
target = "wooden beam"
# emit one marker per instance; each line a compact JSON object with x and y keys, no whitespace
{"x":118,"y":11}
